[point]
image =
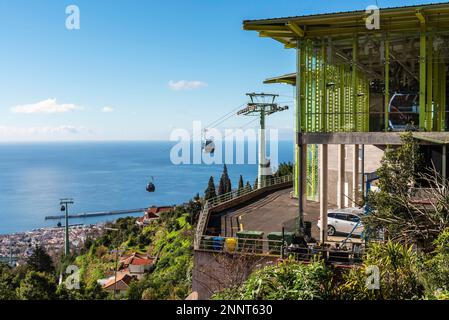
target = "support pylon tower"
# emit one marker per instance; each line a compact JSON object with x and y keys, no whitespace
{"x":64,"y":203}
{"x":262,"y":105}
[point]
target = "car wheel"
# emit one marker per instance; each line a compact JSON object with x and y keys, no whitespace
{"x":330,"y":230}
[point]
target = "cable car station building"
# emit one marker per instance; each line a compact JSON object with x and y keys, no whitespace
{"x":361,"y":81}
{"x":359,"y":86}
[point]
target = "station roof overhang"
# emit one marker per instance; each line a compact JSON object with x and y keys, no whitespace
{"x":342,"y":26}
{"x":289,"y":78}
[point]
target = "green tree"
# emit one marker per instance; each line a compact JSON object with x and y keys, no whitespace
{"x":284,"y":169}
{"x":40,"y":261}
{"x":221,"y":186}
{"x":248,"y":186}
{"x":225,"y":184}
{"x":397,"y":174}
{"x":436,"y":275}
{"x":228,"y":184}
{"x":210,"y":192}
{"x":91,"y":292}
{"x":241,"y":185}
{"x":37,"y":286}
{"x":136,"y":289}
{"x":7,"y":283}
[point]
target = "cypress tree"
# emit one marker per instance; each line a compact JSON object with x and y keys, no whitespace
{"x":225,"y":185}
{"x":40,"y":260}
{"x":240,"y":183}
{"x":248,"y":186}
{"x":210,"y":191}
{"x":256,"y":184}
{"x":226,"y":180}
{"x":221,"y":186}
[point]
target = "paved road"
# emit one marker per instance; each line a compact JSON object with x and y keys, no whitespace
{"x":269,"y":214}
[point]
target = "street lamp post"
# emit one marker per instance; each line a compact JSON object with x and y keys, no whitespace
{"x":64,"y":203}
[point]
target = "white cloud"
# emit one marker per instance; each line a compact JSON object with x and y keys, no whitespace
{"x":21,"y":131}
{"x":186,"y":85}
{"x":45,"y":106}
{"x":107,"y":109}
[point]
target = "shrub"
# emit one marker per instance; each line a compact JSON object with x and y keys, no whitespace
{"x":287,"y":281}
{"x":398,"y":274}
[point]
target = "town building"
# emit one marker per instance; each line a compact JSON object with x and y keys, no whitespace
{"x":131,"y":267}
{"x":152,"y":214}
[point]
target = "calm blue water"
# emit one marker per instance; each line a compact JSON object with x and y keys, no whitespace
{"x":99,"y":176}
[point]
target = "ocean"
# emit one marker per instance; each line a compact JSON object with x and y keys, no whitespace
{"x":99,"y":176}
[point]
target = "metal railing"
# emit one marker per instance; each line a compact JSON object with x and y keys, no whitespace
{"x":280,"y":249}
{"x":241,"y":245}
{"x":230,"y":196}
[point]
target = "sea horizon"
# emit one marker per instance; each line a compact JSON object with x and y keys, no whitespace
{"x":100,"y":175}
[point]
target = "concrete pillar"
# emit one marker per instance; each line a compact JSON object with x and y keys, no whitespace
{"x":362,"y":170}
{"x":355,"y":175}
{"x":304,"y":176}
{"x":341,"y":176}
{"x":323,"y":191}
{"x":262,"y":160}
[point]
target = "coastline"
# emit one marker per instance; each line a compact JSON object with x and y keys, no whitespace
{"x":20,"y":245}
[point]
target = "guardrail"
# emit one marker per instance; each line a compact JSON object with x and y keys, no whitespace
{"x":241,"y":245}
{"x":280,"y":249}
{"x":231,"y":196}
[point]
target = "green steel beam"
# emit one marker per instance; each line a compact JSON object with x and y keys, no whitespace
{"x":354,"y":83}
{"x":295,"y":28}
{"x":422,"y":76}
{"x":429,"y":76}
{"x":322,"y":89}
{"x":341,"y":122}
{"x":436,"y":90}
{"x":443,"y":97}
{"x":387,"y":82}
{"x":299,"y":101}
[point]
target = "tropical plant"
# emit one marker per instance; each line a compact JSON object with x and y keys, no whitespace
{"x":398,"y":277}
{"x":436,"y":275}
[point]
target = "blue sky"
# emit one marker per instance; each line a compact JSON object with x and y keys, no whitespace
{"x":112,"y":77}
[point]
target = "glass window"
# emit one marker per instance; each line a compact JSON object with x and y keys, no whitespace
{"x":353,"y":218}
{"x":341,"y":216}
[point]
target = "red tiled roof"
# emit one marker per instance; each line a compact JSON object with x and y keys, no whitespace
{"x":121,"y":276}
{"x":142,"y":262}
{"x":156,"y":210}
{"x":137,"y":259}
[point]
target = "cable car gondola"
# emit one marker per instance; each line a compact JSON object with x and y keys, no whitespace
{"x":208,"y":144}
{"x":150,"y":186}
{"x":404,"y":112}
